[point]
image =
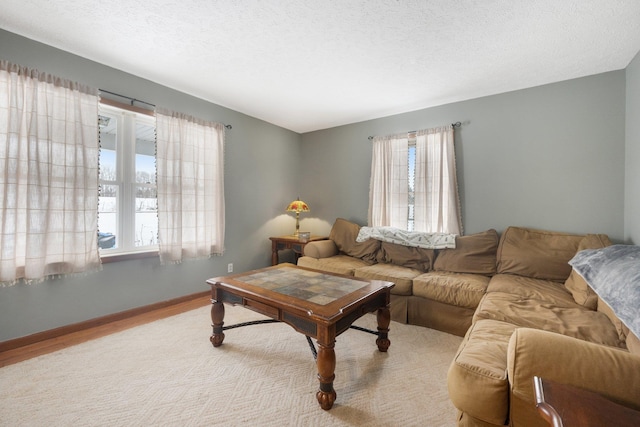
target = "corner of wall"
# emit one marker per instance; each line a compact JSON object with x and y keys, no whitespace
{"x":632,"y":153}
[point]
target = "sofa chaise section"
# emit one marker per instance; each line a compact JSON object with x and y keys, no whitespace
{"x":535,"y":296}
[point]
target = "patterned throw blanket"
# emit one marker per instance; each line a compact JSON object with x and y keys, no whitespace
{"x":408,"y":238}
{"x":614,"y":274}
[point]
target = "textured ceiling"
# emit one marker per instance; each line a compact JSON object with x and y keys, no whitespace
{"x":314,"y":64}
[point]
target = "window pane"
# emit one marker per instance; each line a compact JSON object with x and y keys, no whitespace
{"x":146,"y":228}
{"x":412,"y":168}
{"x":145,"y":153}
{"x":108,"y":131}
{"x":108,"y":217}
{"x":412,"y":186}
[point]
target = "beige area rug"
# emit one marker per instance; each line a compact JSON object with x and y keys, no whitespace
{"x":167,"y":373}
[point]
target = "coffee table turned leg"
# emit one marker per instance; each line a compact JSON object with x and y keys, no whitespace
{"x":384,"y":318}
{"x":326,"y":373}
{"x":217,"y":316}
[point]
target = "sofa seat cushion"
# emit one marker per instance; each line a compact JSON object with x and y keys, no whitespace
{"x":459,"y":289}
{"x":339,"y":264}
{"x":401,"y":276}
{"x":477,"y":377}
{"x":527,"y":287}
{"x":576,"y":321}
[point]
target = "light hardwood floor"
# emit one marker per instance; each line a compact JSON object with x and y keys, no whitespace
{"x":119,"y":323}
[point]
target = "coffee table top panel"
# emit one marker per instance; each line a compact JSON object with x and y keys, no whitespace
{"x":311,"y":286}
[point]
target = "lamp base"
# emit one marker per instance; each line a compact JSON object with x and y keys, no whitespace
{"x":297,"y":233}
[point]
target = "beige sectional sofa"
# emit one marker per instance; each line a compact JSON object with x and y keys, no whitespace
{"x":521,"y":308}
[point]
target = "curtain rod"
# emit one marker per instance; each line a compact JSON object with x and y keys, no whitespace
{"x":454,"y":125}
{"x":143,"y":102}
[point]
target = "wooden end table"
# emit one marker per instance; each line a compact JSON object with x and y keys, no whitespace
{"x":317,"y":304}
{"x":290,"y":242}
{"x":567,"y":405}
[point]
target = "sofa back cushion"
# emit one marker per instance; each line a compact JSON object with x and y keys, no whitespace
{"x":537,"y":253}
{"x":633,"y":343}
{"x":613,"y":273}
{"x":621,"y":328}
{"x":581,"y":291}
{"x":406,"y":256}
{"x":475,"y":253}
{"x":344,"y":234}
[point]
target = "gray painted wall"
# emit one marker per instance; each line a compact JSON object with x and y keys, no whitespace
{"x":259,"y":183}
{"x":550,"y":157}
{"x":632,"y":166}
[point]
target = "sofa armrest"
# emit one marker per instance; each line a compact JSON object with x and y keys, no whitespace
{"x":321,"y":249}
{"x":611,"y":372}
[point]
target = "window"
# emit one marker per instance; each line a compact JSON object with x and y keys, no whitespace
{"x":413,"y":182}
{"x":128,"y":204}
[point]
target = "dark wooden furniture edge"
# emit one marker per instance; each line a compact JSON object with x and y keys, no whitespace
{"x":293,"y":243}
{"x":546,"y":411}
{"x":563,"y":404}
{"x":98,"y":321}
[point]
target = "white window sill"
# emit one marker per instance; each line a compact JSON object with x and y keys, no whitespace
{"x":126,"y":256}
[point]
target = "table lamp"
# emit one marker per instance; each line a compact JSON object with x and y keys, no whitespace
{"x":298,"y":206}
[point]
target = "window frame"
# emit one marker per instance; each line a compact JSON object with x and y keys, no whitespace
{"x":126,"y":223}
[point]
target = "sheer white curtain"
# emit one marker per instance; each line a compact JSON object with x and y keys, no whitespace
{"x":389,"y":187}
{"x":190,"y":168}
{"x":48,"y":175}
{"x":437,"y":204}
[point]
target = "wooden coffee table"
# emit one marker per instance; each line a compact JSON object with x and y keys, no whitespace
{"x":316,"y":304}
